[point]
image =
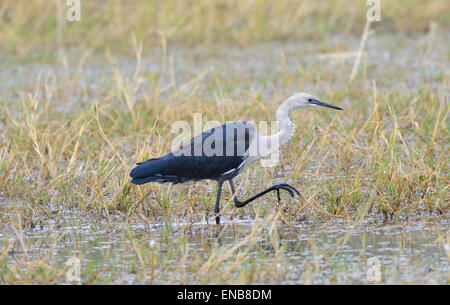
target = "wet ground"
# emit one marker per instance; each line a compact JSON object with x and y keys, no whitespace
{"x":334,"y":251}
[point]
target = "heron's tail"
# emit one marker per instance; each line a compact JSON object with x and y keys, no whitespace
{"x":151,"y":171}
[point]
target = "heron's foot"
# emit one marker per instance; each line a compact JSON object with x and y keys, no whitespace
{"x":284,"y":186}
{"x":277,"y":187}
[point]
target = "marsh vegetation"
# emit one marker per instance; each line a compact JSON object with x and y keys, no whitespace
{"x":82,"y":102}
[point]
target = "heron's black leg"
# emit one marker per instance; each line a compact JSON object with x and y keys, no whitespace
{"x":276,"y":187}
{"x":217,"y":208}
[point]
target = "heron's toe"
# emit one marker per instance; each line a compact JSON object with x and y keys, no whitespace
{"x":291,"y":187}
{"x":286,"y":188}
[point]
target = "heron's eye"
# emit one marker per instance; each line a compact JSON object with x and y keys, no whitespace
{"x":310,"y":100}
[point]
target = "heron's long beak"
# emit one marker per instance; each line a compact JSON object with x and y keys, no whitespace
{"x":320,"y":103}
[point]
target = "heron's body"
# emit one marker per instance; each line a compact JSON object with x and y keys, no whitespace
{"x":186,"y":164}
{"x":221,"y":153}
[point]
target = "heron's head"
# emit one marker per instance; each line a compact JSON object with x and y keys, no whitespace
{"x":304,"y":100}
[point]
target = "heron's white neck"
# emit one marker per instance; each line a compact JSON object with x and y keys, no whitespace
{"x":272,"y":144}
{"x":286,"y":125}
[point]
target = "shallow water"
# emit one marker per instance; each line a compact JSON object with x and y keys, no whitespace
{"x":319,"y":252}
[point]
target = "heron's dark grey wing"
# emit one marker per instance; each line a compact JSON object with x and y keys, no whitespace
{"x":234,"y":139}
{"x":219,"y":151}
{"x":193,"y":145}
{"x":241,"y":134}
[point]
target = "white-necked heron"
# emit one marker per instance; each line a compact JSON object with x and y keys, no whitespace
{"x":221,"y":153}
